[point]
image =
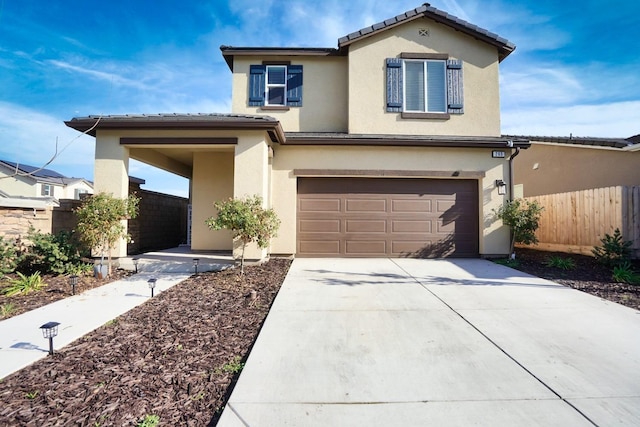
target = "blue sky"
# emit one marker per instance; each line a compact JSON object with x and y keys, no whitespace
{"x":576,"y":68}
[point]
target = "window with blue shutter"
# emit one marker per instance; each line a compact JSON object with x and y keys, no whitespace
{"x":418,"y":85}
{"x":275,"y":85}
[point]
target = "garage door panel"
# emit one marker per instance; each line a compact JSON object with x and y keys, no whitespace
{"x":365,"y":247}
{"x":365,"y":226}
{"x":319,"y":205}
{"x":411,"y":206}
{"x":416,"y":226}
{"x":366,"y":205}
{"x":320,"y":226}
{"x":387,"y":217}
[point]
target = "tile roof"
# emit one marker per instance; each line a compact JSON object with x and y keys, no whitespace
{"x":505,"y":47}
{"x":576,"y":140}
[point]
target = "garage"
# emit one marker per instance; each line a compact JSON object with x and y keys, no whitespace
{"x":387,"y":217}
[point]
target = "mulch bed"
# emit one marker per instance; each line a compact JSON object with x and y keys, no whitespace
{"x":57,"y":288}
{"x":176,"y":356}
{"x":587,"y":276}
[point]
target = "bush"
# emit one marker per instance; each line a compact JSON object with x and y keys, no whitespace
{"x":623,"y":273}
{"x":24,"y":284}
{"x":48,"y":253}
{"x":614,"y":250}
{"x":8,"y":257}
{"x":562,"y":263}
{"x":524,"y":219}
{"x":248,"y":221}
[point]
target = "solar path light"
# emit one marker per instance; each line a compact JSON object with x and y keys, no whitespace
{"x":50,"y":330}
{"x":196,"y":261}
{"x":73,"y":281}
{"x":152,"y":284}
{"x":135,"y":263}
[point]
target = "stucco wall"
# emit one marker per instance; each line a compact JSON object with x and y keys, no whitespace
{"x":494,"y":237}
{"x":324,"y":94}
{"x":212,"y":181}
{"x":367,"y":82}
{"x":17,"y":185}
{"x":553,"y":168}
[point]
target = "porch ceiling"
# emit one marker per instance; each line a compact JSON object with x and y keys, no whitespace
{"x":174,"y":159}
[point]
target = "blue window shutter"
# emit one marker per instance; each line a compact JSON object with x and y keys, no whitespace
{"x":455,"y":93}
{"x":394,"y":85}
{"x":256,"y":85}
{"x":294,"y":85}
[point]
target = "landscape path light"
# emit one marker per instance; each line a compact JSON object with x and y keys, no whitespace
{"x":196,"y":261}
{"x":152,"y":284}
{"x":73,"y":281}
{"x":50,"y":330}
{"x":135,"y":263}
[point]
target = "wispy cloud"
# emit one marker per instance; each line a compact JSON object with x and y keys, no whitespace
{"x":112,"y":78}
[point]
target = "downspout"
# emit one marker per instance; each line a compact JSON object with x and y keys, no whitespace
{"x":513,"y":156}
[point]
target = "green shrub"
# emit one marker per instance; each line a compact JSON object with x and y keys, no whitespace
{"x":524,"y":219}
{"x":513,"y":263}
{"x":80,"y":269}
{"x":8,"y":257}
{"x":50,"y":253}
{"x":614,"y":250}
{"x":559,"y":262}
{"x":149,"y":421}
{"x":623,"y":273}
{"x":24,"y":284}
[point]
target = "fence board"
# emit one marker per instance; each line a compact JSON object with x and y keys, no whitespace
{"x":576,"y":221}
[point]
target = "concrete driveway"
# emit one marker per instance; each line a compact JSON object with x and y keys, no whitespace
{"x":406,"y":342}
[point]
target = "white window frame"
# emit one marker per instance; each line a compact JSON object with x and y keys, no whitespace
{"x":268,"y":86}
{"x":426,"y":85}
{"x":47,"y":190}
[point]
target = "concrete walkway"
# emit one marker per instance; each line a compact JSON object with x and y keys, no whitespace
{"x":21,"y":341}
{"x":405,"y":342}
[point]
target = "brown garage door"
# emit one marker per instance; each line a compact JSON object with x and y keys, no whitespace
{"x":368,"y":217}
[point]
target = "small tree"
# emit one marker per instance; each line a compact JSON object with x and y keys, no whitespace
{"x":100,"y":221}
{"x":524,"y":219}
{"x":248,"y":221}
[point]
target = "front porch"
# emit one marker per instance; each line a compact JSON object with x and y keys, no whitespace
{"x":178,"y":260}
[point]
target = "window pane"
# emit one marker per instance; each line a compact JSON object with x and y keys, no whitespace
{"x":436,"y":87}
{"x":276,"y":75}
{"x":276,"y":96}
{"x":414,"y":86}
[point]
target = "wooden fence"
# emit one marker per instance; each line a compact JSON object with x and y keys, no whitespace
{"x":575,"y":222}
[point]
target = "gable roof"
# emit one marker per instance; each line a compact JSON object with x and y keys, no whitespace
{"x":505,"y":47}
{"x":40,"y":174}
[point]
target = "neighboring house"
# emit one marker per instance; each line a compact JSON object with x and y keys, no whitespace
{"x":24,"y":181}
{"x":388,"y":145}
{"x":563,"y":164}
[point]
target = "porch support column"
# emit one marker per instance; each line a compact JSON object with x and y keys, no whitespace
{"x":251,"y":177}
{"x":111,"y":175}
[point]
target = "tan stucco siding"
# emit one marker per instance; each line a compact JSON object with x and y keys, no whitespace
{"x":367,"y":82}
{"x":324,"y":94}
{"x":553,"y":168}
{"x":493,"y":236}
{"x":212,"y":181}
{"x":17,"y":185}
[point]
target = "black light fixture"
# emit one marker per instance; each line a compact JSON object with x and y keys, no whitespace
{"x":152,"y":284}
{"x":50,"y":330}
{"x":73,"y":281}
{"x":135,"y":263}
{"x":502,"y":187}
{"x":196,"y":261}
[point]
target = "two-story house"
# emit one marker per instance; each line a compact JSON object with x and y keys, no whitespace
{"x":388,"y":145}
{"x":25,"y":181}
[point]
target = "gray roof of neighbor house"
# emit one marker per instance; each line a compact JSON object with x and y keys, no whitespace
{"x":38,"y":173}
{"x":91,"y":124}
{"x":584,"y":141}
{"x":504,"y":46}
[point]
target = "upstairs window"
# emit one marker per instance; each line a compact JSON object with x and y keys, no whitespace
{"x":424,"y":86}
{"x":275,"y":85}
{"x":47,"y":190}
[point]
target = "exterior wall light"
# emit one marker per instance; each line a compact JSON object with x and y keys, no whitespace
{"x":502,"y":187}
{"x":152,"y":284}
{"x":196,"y":261}
{"x":50,"y":330}
{"x":73,"y":281}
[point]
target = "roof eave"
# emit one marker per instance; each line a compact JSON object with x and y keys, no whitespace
{"x":229,"y":52}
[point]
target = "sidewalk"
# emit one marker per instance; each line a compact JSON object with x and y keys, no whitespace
{"x":21,"y":341}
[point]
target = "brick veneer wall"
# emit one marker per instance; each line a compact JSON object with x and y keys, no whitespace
{"x":15,"y":222}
